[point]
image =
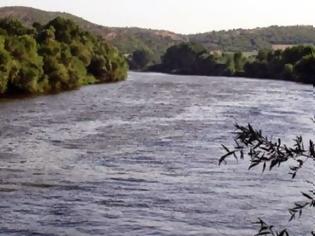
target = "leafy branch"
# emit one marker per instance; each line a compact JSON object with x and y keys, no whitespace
{"x":300,"y":206}
{"x":266,"y":229}
{"x":263,"y":150}
{"x":268,"y":153}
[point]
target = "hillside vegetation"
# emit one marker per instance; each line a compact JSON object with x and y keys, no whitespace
{"x":156,"y":42}
{"x":127,"y":40}
{"x":255,"y":39}
{"x":195,"y":54}
{"x":54,"y":57}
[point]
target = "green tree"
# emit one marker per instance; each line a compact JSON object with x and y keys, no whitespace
{"x":294,"y":54}
{"x":55,"y":57}
{"x":14,"y":27}
{"x":80,"y":50}
{"x":305,"y":69}
{"x":140,"y":59}
{"x":24,"y":52}
{"x":239,"y":62}
{"x":65,"y":30}
{"x":182,"y":58}
{"x":5,"y":67}
{"x":294,"y":63}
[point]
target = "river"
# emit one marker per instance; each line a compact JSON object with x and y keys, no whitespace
{"x":141,"y":158}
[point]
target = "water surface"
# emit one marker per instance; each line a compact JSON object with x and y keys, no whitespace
{"x":141,"y":158}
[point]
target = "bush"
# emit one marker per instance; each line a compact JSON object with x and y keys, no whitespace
{"x":54,"y":57}
{"x":140,"y":59}
{"x":295,"y":64}
{"x":305,"y":69}
{"x":5,"y":68}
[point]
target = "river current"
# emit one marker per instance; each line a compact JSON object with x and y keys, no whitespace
{"x":140,"y":157}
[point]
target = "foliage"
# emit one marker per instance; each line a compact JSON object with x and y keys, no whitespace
{"x":305,"y":69}
{"x":5,"y":68}
{"x":183,"y":56}
{"x":286,"y":65}
{"x":239,"y":62}
{"x":28,"y":65}
{"x":294,"y":64}
{"x":54,"y":57}
{"x":14,"y":27}
{"x":129,"y":40}
{"x":140,"y":59}
{"x":190,"y":58}
{"x":270,"y":154}
{"x":255,"y":39}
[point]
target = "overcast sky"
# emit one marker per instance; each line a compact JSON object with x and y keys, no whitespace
{"x":183,"y":16}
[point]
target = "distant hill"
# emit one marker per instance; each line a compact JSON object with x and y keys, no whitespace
{"x":130,"y":39}
{"x":254,"y":39}
{"x":126,"y":39}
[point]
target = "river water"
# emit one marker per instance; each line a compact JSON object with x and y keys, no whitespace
{"x":141,"y":158}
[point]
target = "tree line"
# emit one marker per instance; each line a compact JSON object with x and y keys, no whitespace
{"x":54,"y":57}
{"x":293,"y":64}
{"x":128,"y":40}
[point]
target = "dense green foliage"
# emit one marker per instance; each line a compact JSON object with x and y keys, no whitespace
{"x":140,"y":59}
{"x":190,"y":58}
{"x":295,"y":64}
{"x":54,"y":57}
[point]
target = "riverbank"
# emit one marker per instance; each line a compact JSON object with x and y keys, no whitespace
{"x":292,"y":64}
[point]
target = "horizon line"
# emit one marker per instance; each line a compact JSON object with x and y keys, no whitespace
{"x":157,"y":29}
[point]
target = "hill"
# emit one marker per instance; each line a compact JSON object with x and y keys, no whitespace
{"x":255,"y":39}
{"x":125,"y":39}
{"x":157,"y":41}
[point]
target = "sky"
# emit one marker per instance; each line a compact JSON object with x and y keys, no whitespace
{"x":182,"y":16}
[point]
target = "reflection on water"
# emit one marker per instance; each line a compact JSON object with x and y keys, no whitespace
{"x":140,"y":158}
